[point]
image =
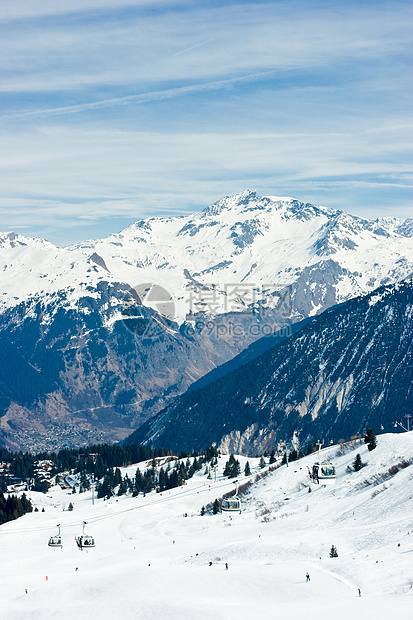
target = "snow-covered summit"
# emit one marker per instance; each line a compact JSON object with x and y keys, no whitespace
{"x":11,"y":240}
{"x":254,"y":243}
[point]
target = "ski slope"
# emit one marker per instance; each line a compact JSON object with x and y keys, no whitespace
{"x":152,"y":553}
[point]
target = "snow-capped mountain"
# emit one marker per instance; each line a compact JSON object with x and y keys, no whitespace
{"x":347,"y":369}
{"x":99,"y":336}
{"x":233,"y":255}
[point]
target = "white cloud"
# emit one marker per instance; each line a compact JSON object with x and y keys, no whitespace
{"x":132,"y":108}
{"x":104,"y":166}
{"x":25,"y":9}
{"x":142,"y":98}
{"x":147,"y":48}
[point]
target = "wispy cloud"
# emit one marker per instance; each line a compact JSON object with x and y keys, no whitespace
{"x":192,"y":47}
{"x":25,"y":9}
{"x":287,"y":97}
{"x":144,"y":97}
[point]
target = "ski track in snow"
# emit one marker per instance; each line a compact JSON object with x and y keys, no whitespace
{"x":151,"y":561}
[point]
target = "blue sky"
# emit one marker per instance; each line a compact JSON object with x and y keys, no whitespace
{"x":113,"y":110}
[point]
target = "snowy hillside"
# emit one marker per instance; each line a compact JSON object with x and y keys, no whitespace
{"x":153,"y":554}
{"x":263,"y":243}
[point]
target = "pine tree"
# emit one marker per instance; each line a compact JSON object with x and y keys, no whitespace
{"x":247,"y":469}
{"x":138,"y":482}
{"x":173,"y":480}
{"x":163,"y":478}
{"x":183,"y":472}
{"x":118,"y":477}
{"x":272,"y":457}
{"x":122,"y":488}
{"x":333,"y":552}
{"x":215,"y":507}
{"x":262,"y":462}
{"x":358,"y":464}
{"x":293,"y":456}
{"x":13,"y":507}
{"x":232,"y":467}
{"x":370,"y":439}
{"x":83,"y":480}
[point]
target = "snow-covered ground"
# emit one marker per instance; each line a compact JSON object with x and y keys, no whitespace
{"x":152,"y":555}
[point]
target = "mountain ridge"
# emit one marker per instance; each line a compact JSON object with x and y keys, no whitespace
{"x":261,"y":242}
{"x":348,"y":368}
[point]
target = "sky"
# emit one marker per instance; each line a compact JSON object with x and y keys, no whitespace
{"x":114,"y":110}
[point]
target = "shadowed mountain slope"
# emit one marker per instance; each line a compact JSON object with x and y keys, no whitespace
{"x":349,"y":368}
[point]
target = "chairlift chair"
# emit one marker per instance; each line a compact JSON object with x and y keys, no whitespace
{"x":231,"y":504}
{"x":323,"y":472}
{"x":327,"y":470}
{"x":85,"y":541}
{"x":56,"y":541}
{"x":326,"y":473}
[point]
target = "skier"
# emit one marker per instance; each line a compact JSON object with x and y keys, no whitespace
{"x":307,"y":577}
{"x":226,"y":565}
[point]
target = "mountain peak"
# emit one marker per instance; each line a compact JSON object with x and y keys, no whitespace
{"x":263,"y":243}
{"x":10,"y":240}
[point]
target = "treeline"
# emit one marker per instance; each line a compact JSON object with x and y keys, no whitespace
{"x":160,"y":478}
{"x":295,"y":455}
{"x":13,"y":507}
{"x":102,"y":462}
{"x":94,"y":459}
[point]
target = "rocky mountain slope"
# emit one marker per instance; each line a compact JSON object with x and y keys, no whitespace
{"x":97,"y":337}
{"x":347,"y":369}
{"x":76,"y":380}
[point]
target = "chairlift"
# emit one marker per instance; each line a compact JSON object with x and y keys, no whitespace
{"x":327,"y":473}
{"x":56,"y":541}
{"x":231,"y":504}
{"x":323,"y":472}
{"x":85,"y":541}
